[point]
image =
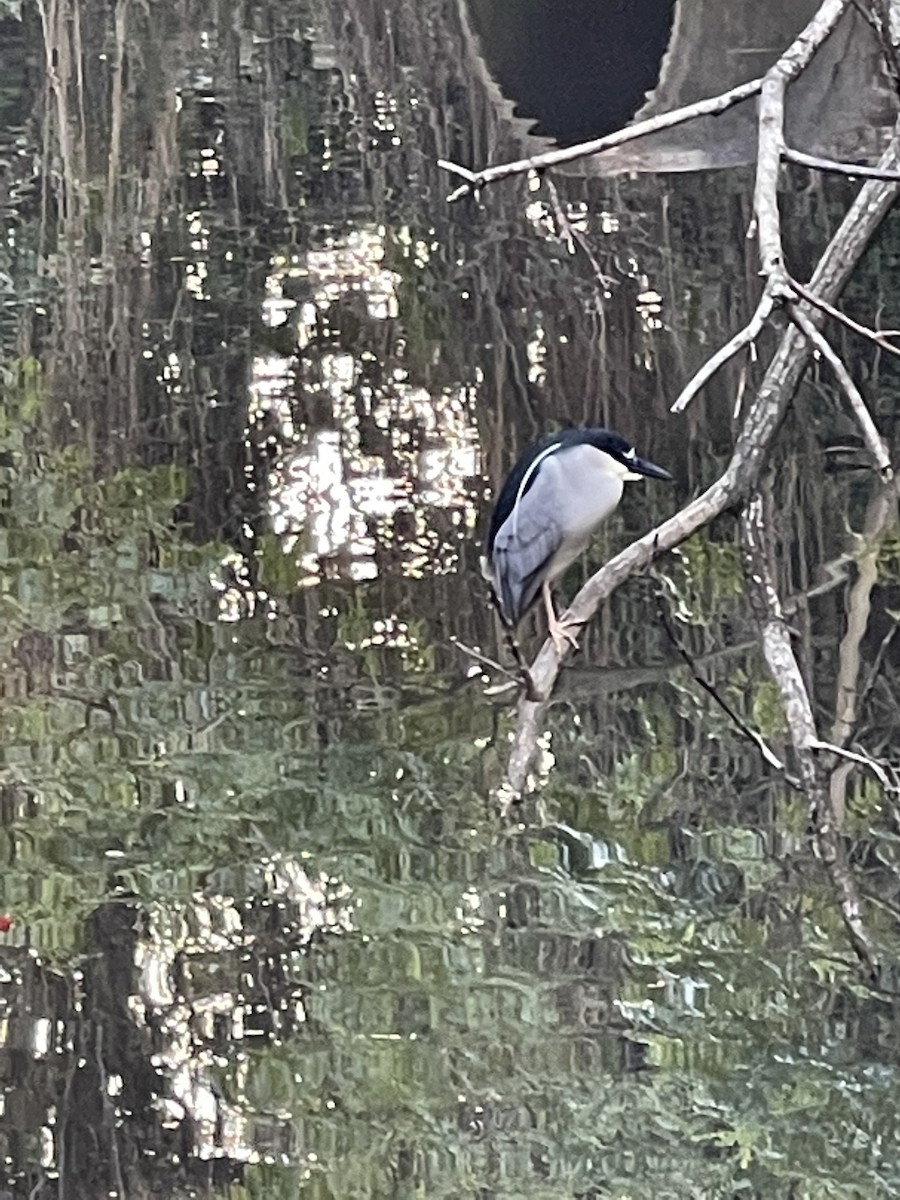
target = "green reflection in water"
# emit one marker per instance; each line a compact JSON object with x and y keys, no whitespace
{"x":284,"y":943}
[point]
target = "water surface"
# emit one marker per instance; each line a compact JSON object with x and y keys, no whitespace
{"x":272,"y":935}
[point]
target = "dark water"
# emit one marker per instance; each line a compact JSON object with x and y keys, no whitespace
{"x":272,"y":937}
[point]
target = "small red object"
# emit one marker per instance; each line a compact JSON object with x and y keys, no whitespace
{"x":6,"y":923}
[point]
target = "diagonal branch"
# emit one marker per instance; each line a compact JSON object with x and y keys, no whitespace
{"x":733,"y":346}
{"x":754,"y":441}
{"x":736,"y":719}
{"x":756,"y":527}
{"x":833,"y":167}
{"x":878,"y":336}
{"x":870,"y":433}
{"x":474,"y":181}
{"x":863,"y":760}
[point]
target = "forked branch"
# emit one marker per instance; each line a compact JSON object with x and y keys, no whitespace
{"x":475,"y":181}
{"x":867,"y":426}
{"x":750,"y":453}
{"x":878,"y":336}
{"x":756,"y":528}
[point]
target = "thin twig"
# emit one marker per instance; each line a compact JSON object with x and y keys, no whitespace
{"x":833,"y":167}
{"x":869,"y":430}
{"x":878,"y":336}
{"x":475,"y":180}
{"x":856,"y":756}
{"x":574,"y":236}
{"x":482,"y":658}
{"x":564,"y":229}
{"x":737,"y":720}
{"x":522,"y":680}
{"x":744,"y":337}
{"x":866,"y":689}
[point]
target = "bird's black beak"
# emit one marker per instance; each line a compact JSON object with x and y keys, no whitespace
{"x":641,"y":466}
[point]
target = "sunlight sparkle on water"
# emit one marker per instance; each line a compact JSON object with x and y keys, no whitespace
{"x":331,"y":499}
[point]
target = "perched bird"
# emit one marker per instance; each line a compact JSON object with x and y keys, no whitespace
{"x":553,"y":502}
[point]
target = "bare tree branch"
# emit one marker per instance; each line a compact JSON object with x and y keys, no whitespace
{"x":736,"y":719}
{"x":855,"y":756}
{"x":770,"y":148}
{"x":833,"y":167}
{"x":770,"y":145}
{"x":476,"y":180}
{"x":744,"y":337}
{"x":878,"y":336}
{"x":757,"y":433}
{"x":483,"y":660}
{"x":785,"y":672}
{"x":867,"y":426}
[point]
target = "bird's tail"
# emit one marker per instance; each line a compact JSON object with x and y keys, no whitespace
{"x":509,"y":633}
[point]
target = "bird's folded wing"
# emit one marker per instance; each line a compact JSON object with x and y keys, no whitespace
{"x":523,"y":547}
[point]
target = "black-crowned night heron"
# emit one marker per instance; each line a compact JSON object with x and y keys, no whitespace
{"x":553,"y":502}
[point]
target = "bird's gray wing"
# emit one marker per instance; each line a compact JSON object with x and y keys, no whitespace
{"x":524,"y":545}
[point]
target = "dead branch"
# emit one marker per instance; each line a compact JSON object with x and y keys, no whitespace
{"x":771,"y":143}
{"x":770,"y":150}
{"x":833,"y":167}
{"x":483,"y":660}
{"x":880,"y":517}
{"x":863,"y":417}
{"x":476,"y":180}
{"x":878,"y":336}
{"x":744,"y":337}
{"x":756,"y":528}
{"x":736,"y":719}
{"x":863,"y":760}
{"x":751,"y":449}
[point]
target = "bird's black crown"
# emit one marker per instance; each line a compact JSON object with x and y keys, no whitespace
{"x":607,"y":440}
{"x":603,"y":439}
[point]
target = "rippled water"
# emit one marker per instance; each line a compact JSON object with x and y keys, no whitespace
{"x":271,"y":934}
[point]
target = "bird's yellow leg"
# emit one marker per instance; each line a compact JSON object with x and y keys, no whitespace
{"x":560,"y":631}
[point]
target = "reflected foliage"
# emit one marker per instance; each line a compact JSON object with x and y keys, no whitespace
{"x":271,"y":935}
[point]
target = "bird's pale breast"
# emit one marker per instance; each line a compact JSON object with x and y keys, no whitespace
{"x":585,"y":491}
